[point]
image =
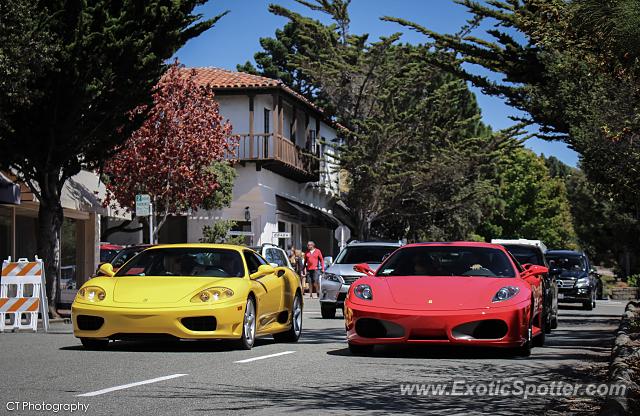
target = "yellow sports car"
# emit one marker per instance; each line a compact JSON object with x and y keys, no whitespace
{"x":190,"y":291}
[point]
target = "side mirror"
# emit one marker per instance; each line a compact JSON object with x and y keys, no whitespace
{"x":272,"y":265}
{"x":534,"y":270}
{"x":263,"y":270}
{"x":363,"y":268}
{"x":106,"y":269}
{"x":328,"y":261}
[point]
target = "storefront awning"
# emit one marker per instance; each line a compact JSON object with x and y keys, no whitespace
{"x":9,"y":191}
{"x":306,"y":215}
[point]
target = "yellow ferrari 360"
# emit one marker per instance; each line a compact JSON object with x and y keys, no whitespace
{"x":190,"y":291}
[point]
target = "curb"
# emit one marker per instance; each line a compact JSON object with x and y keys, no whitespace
{"x":625,"y":348}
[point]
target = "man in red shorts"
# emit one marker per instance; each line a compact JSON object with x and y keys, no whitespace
{"x":313,"y":266}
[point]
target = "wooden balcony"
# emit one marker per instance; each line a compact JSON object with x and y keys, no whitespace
{"x":277,"y":154}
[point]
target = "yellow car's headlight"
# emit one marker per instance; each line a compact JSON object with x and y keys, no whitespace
{"x":91,"y":294}
{"x":212,"y":294}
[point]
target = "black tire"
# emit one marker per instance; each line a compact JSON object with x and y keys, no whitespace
{"x":357,"y":349}
{"x":248,"y":337}
{"x":94,"y":344}
{"x":293,"y":333}
{"x":327,"y":311}
{"x":554,"y":322}
{"x":547,"y":324}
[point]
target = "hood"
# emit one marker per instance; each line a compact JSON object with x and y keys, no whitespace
{"x":449,"y":292}
{"x":162,"y":290}
{"x":347,"y":269}
{"x":573,"y":274}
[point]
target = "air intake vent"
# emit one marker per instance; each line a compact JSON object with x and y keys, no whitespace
{"x":89,"y":323}
{"x":200,"y":323}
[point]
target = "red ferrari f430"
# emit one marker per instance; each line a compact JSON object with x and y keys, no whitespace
{"x":461,"y":293}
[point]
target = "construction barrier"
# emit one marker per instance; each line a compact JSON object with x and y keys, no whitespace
{"x":17,"y":302}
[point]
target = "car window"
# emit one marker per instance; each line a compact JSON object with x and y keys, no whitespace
{"x":269,"y":255}
{"x":526,"y":254}
{"x":364,"y":254}
{"x":567,"y":262}
{"x":435,"y":260}
{"x":253,"y":261}
{"x":124,"y":256}
{"x":185,"y":261}
{"x":278,"y":257}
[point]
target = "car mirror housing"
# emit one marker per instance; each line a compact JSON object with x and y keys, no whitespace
{"x":106,"y":269}
{"x":263,"y":270}
{"x":534,"y":270}
{"x":363,"y":268}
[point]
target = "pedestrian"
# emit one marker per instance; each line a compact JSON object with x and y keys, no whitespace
{"x":297,"y":263}
{"x":313,"y":266}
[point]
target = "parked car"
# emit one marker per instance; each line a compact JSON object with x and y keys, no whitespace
{"x":335,"y":282}
{"x":576,"y":281}
{"x":108,"y":251}
{"x":276,"y":256}
{"x":124,"y":256}
{"x":460,"y":293}
{"x":532,"y":252}
{"x":190,"y":291}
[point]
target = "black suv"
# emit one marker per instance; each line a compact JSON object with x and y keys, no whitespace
{"x":576,"y":282}
{"x":531,"y":254}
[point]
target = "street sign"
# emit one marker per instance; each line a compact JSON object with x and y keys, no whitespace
{"x":143,"y":205}
{"x":243,"y":233}
{"x":342,"y":234}
{"x":281,"y":235}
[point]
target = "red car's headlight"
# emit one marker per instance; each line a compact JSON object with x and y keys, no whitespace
{"x":505,"y":293}
{"x":363,"y":291}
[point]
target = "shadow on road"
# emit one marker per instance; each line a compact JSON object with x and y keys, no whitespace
{"x":172,"y":346}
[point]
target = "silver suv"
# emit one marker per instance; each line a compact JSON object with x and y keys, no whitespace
{"x":337,"y":278}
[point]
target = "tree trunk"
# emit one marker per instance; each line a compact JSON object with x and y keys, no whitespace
{"x":50,"y":218}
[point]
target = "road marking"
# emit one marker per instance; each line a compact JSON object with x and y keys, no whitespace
{"x":126,"y":386}
{"x":262,"y":357}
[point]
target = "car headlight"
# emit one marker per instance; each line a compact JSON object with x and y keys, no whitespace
{"x":505,"y":293}
{"x":333,"y":277}
{"x":582,"y":282}
{"x":363,"y":291}
{"x":212,"y":294}
{"x":91,"y":294}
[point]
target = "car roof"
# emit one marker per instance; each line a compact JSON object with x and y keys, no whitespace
{"x":374,"y":243}
{"x":565,"y":252}
{"x":200,"y":245}
{"x":457,"y":244}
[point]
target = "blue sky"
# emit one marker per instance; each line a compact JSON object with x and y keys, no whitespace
{"x":236,"y":38}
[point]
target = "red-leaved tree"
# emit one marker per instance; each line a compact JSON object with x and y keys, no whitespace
{"x":170,"y":156}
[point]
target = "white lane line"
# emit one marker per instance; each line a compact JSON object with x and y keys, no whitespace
{"x":126,"y":386}
{"x":262,"y":357}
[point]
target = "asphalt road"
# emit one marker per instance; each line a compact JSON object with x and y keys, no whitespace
{"x":316,"y":375}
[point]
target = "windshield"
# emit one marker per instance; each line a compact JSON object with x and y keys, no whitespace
{"x":526,"y":254}
{"x":364,"y":254}
{"x":569,"y":263}
{"x":125,"y":255}
{"x":209,"y":262}
{"x":448,"y":261}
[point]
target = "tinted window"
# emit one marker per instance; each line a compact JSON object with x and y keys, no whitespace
{"x":106,"y":255}
{"x":364,"y":254}
{"x":210,"y":262}
{"x":448,"y":261}
{"x":526,"y":254}
{"x":278,"y":257}
{"x":253,"y":261}
{"x":125,"y":255}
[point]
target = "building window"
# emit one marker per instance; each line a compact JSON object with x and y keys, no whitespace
{"x":267,"y":121}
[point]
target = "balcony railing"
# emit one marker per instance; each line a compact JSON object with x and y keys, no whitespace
{"x":278,"y":154}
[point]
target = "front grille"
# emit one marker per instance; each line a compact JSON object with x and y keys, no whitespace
{"x":350,"y":279}
{"x":564,"y":284}
{"x":377,"y":328}
{"x":89,"y":323}
{"x":200,"y":323}
{"x":485,"y":329}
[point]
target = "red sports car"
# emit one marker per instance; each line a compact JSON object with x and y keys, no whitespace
{"x":462,"y":293}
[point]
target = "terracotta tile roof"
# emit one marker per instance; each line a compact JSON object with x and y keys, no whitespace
{"x":221,"y":79}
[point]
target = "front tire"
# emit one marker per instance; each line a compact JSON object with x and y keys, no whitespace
{"x":328,"y":311}
{"x":248,"y":326}
{"x":358,"y":349}
{"x":293,"y":334}
{"x":94,"y":344}
{"x":590,"y":304}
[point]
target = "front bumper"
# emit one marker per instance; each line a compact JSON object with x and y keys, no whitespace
{"x":441,"y":327}
{"x":333,"y":292}
{"x":122,"y":322}
{"x":574,"y":294}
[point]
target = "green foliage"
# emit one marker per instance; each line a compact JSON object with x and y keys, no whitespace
{"x":417,"y":157}
{"x":218,"y":233}
{"x":634,"y":280}
{"x":534,"y":204}
{"x":225,"y":174}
